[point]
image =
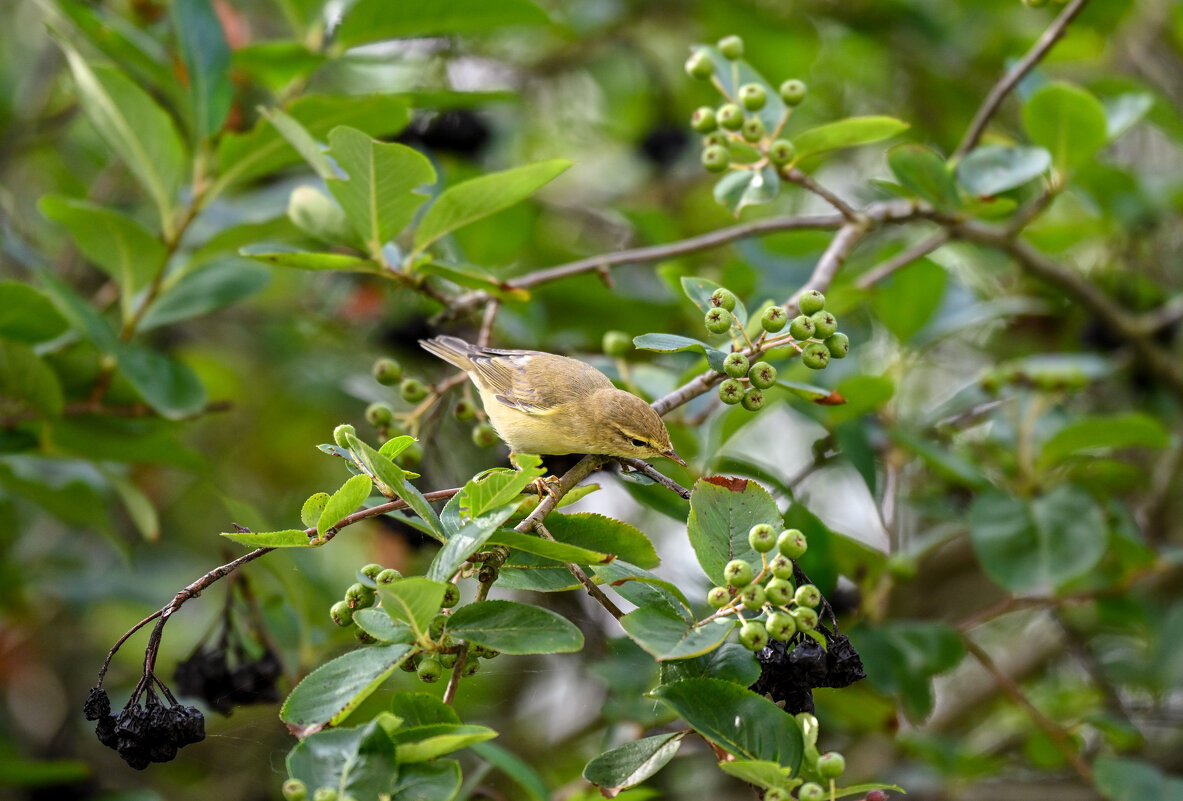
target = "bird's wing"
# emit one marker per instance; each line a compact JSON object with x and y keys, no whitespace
{"x":527,"y":380}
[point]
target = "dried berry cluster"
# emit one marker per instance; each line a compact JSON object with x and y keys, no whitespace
{"x":209,"y":674}
{"x":145,"y":734}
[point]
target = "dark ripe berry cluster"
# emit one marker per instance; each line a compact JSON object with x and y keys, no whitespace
{"x":735,"y":134}
{"x":145,"y":734}
{"x":224,"y":678}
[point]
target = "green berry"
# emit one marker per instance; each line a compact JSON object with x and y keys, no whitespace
{"x":371,"y":571}
{"x":341,"y":614}
{"x":738,"y":573}
{"x":731,"y":47}
{"x":731,"y":392}
{"x":762,"y":538}
{"x":410,"y":664}
{"x":774,"y":319}
{"x":762,"y":375}
{"x":617,"y":344}
{"x":700,"y":65}
{"x":490,"y":653}
{"x":752,"y":597}
{"x":412,"y":390}
{"x":447,"y":661}
{"x":716,"y":138}
{"x":753,"y":635}
{"x":781,"y":152}
{"x":730,"y":116}
{"x":451,"y":596}
{"x":429,"y":670}
{"x":824,"y":324}
{"x":778,"y":591}
{"x":484,"y":435}
{"x":359,"y":596}
{"x":716,"y":158}
{"x":325,"y":794}
{"x":411,"y":455}
{"x":379,"y":415}
{"x":831,"y":765}
{"x":341,"y":431}
{"x":792,"y":92}
{"x":806,"y":618}
{"x":717,"y":321}
{"x":812,"y":791}
{"x":838,"y":345}
{"x":777,"y":794}
{"x":815,"y":356}
{"x":753,"y":96}
{"x":294,"y":790}
{"x":781,"y":626}
{"x":736,"y":365}
{"x":387,"y":372}
{"x":791,"y":543}
{"x":364,"y":637}
{"x":753,"y":399}
{"x":902,"y":567}
{"x":811,"y":302}
{"x":388,"y":576}
{"x":781,"y":566}
{"x":471,"y":666}
{"x":753,"y":129}
{"x":808,"y":595}
{"x":723,"y":299}
{"x":436,"y":627}
{"x":464,"y":410}
{"x":801,"y":328}
{"x":719,"y":597}
{"x":703,"y":120}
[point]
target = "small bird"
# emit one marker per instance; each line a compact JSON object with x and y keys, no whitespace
{"x":541,"y":403}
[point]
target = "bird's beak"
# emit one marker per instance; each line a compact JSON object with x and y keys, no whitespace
{"x":675,"y":457}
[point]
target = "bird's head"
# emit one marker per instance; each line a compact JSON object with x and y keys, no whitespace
{"x":629,"y":427}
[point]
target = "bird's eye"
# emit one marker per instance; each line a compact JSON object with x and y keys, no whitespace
{"x":639,"y":443}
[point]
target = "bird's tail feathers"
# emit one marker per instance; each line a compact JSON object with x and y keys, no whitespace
{"x":452,"y":350}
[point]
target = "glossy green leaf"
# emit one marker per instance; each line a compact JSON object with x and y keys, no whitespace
{"x":925,"y":172}
{"x":907,"y":300}
{"x":992,"y":169}
{"x":722,"y":512}
{"x":206,"y":56}
{"x":213,"y":286}
{"x":497,"y":487}
{"x":673,"y":343}
{"x":304,"y":143}
{"x":383,"y":469}
{"x":644,"y":589}
{"x":27,"y":315}
{"x":514,"y":767}
{"x":464,"y":541}
{"x":357,"y":762}
{"x":309,"y":260}
{"x":313,"y":508}
{"x":742,"y":723}
{"x":730,"y":662}
{"x":343,"y":502}
{"x":634,"y":762}
{"x":427,"y":781}
{"x":289,"y":538}
{"x":422,"y":709}
{"x":421,"y":743}
{"x":1068,"y":121}
{"x":27,"y":381}
{"x":559,"y":551}
{"x":739,"y":189}
{"x":604,"y":534}
{"x":382,"y":627}
{"x":514,"y":628}
{"x":850,"y":132}
{"x":145,"y":58}
{"x":328,"y":694}
{"x":467,"y":202}
{"x":82,"y":317}
{"x":665,"y":635}
{"x":374,"y":20}
{"x":1104,"y":433}
{"x":414,"y":601}
{"x":758,"y":772}
{"x":167,"y":385}
{"x":276,"y":63}
{"x":901,"y":657}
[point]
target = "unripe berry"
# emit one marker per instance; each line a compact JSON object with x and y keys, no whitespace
{"x":831,"y":765}
{"x":808,"y":595}
{"x":484,"y":435}
{"x":387,"y":372}
{"x":806,"y":618}
{"x":811,"y":302}
{"x":753,"y":635}
{"x":294,"y":790}
{"x":876,"y":795}
{"x":762,"y":538}
{"x":791,"y":543}
{"x":464,"y":410}
{"x":700,"y":65}
{"x":812,"y":791}
{"x":371,"y":571}
{"x":753,"y":399}
{"x":703,"y":120}
{"x":436,"y":627}
{"x":717,"y":138}
{"x":447,"y":661}
{"x":801,"y":327}
{"x":471,"y":666}
{"x":411,"y":455}
{"x":781,"y":152}
{"x":364,"y":637}
{"x":718,"y":597}
{"x":731,"y":47}
{"x":359,"y":596}
{"x":490,"y":653}
{"x":716,"y":158}
{"x":723,"y":298}
{"x":730,"y":116}
{"x":792,"y":92}
{"x":824,"y":324}
{"x":325,"y":794}
{"x":752,"y":597}
{"x":412,"y":390}
{"x":411,"y":663}
{"x":736,"y":365}
{"x":781,"y":626}
{"x":379,"y":415}
{"x":388,"y":576}
{"x":838,"y":345}
{"x":753,"y":129}
{"x":774,"y":319}
{"x":617,"y":344}
{"x":778,"y":591}
{"x":429,"y":670}
{"x":753,"y":96}
{"x":717,"y":321}
{"x":781,"y":566}
{"x":731,"y":391}
{"x":339,"y":434}
{"x":777,"y":794}
{"x":738,"y":573}
{"x":815,"y":356}
{"x":451,"y":596}
{"x":341,"y":614}
{"x":762,"y":375}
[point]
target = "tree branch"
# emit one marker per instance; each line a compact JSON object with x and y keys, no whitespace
{"x":641,"y":466}
{"x":578,"y":572}
{"x":901,"y":260}
{"x":805,"y":182}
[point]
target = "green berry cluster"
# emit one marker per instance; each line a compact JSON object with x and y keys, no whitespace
{"x":736,"y":127}
{"x":816,"y":332}
{"x":296,"y":790}
{"x":362,"y":594}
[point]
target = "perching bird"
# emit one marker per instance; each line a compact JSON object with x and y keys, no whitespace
{"x":541,"y":403}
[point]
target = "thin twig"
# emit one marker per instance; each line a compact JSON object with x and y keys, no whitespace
{"x":486,"y":333}
{"x":578,"y":572}
{"x":1164,"y":316}
{"x":641,"y":466}
{"x":805,"y":182}
{"x":462,"y":655}
{"x":832,"y":259}
{"x":901,"y":260}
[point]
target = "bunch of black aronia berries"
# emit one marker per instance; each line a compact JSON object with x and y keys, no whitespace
{"x":149,"y":733}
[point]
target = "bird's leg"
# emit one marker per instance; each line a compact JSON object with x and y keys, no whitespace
{"x":544,"y":485}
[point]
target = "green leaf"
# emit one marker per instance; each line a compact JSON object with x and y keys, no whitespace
{"x":421,"y":709}
{"x":730,"y":662}
{"x":1103,"y":433}
{"x":474,"y":278}
{"x":699,"y":290}
{"x":396,"y":445}
{"x":992,"y":169}
{"x":673,"y":343}
{"x":167,"y":385}
{"x":497,"y":487}
{"x":207,"y":64}
{"x":909,"y":298}
{"x":945,"y":462}
{"x":559,"y":551}
{"x":308,"y":260}
{"x":394,"y":477}
{"x":1121,"y":779}
{"x":925,"y":172}
{"x":275,"y":64}
{"x":514,"y":628}
{"x":319,"y":216}
{"x":82,"y":317}
{"x":289,"y":538}
{"x":27,"y":315}
{"x":818,"y":395}
{"x":742,"y":723}
{"x":739,"y":189}
{"x":379,"y":196}
{"x":468,"y":202}
{"x":644,"y":589}
{"x":132,"y":125}
{"x":463,"y":542}
{"x":343,"y":502}
{"x":382,"y":627}
{"x":312,"y":509}
{"x":512,"y":766}
{"x":665,"y":635}
{"x":358,"y":762}
{"x":901,"y":657}
{"x":1125,"y":111}
{"x":604,"y":534}
{"x":328,"y":694}
{"x":1037,"y":545}
{"x":210,"y":287}
{"x":758,"y":772}
{"x":414,"y":601}
{"x":145,"y":57}
{"x":865,"y":788}
{"x":632,"y":763}
{"x":849,"y":132}
{"x":722,"y":512}
{"x":421,"y":743}
{"x":139,"y":440}
{"x":427,"y":781}
{"x":28,"y":381}
{"x":303,"y":142}
{"x":1068,"y":121}
{"x":374,"y":20}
